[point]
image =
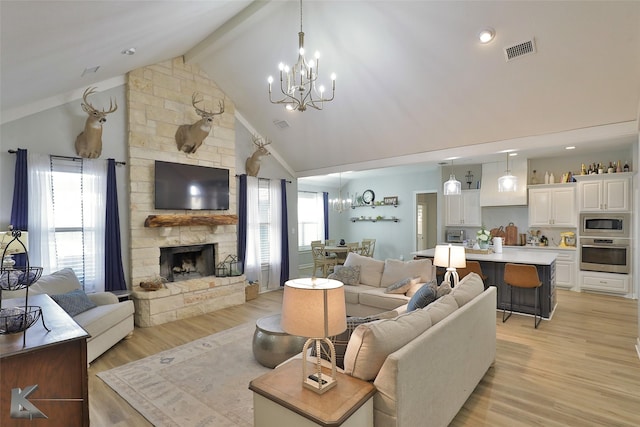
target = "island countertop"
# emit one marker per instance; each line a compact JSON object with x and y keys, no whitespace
{"x":507,"y":255}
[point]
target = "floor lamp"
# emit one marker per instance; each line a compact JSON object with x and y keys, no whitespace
{"x":315,"y":308}
{"x":450,"y":257}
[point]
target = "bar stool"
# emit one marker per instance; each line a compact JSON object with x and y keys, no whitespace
{"x":472,"y":267}
{"x":523,"y":276}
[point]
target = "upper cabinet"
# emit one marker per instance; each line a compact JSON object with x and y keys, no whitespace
{"x":607,"y":192}
{"x":489,"y":195}
{"x":463,"y":209}
{"x":553,"y":205}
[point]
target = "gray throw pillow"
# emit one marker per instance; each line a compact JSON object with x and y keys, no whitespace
{"x":401,"y":286}
{"x":346,"y":275}
{"x":74,"y":302}
{"x":340,"y":341}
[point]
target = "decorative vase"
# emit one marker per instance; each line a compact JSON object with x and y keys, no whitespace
{"x":483,"y":245}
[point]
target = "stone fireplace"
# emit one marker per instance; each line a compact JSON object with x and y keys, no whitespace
{"x":158,"y":101}
{"x":187,"y":262}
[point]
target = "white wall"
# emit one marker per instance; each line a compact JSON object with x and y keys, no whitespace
{"x":54,"y":131}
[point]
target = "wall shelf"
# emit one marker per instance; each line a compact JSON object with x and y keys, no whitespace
{"x":372,"y":206}
{"x":374,"y":219}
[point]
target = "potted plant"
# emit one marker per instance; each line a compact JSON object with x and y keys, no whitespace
{"x":483,"y":236}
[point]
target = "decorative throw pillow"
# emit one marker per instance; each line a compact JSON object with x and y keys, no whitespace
{"x":401,"y":286}
{"x":346,"y":275}
{"x":425,"y":296}
{"x":443,"y":289}
{"x":74,"y":302}
{"x":340,"y":341}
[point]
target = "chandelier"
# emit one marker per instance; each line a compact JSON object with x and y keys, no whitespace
{"x":298,"y":83}
{"x":340,"y":205}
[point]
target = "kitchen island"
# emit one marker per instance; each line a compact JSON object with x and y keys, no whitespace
{"x":523,"y":299}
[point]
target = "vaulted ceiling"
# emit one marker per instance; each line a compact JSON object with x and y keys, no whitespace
{"x":413,"y":82}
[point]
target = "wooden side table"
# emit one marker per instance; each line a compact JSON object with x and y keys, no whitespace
{"x":55,"y":362}
{"x":279,"y":399}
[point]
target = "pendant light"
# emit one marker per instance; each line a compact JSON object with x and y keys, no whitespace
{"x":452,"y":187}
{"x":507,"y":182}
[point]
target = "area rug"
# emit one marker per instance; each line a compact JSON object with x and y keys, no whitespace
{"x":201,"y":383}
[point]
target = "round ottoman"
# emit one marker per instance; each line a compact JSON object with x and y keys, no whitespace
{"x":271,"y":345}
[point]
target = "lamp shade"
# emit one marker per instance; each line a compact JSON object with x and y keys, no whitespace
{"x":13,"y":247}
{"x":449,"y":256}
{"x":314,"y":308}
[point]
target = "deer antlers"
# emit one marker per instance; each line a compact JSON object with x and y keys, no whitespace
{"x":89,"y":109}
{"x":204,"y":113}
{"x":259,"y":141}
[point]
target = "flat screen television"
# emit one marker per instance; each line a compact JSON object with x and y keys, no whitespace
{"x":180,"y":186}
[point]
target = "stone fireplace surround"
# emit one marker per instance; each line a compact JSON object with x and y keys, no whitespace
{"x":158,"y":101}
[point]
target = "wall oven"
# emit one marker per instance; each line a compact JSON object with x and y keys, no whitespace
{"x":609,"y":255}
{"x":610,"y":225}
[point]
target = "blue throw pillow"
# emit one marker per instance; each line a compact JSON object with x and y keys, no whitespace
{"x":422,"y":298}
{"x":74,"y":302}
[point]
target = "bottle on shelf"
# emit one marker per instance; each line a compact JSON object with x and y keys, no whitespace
{"x":610,"y":168}
{"x":583,"y":170}
{"x":534,"y":178}
{"x":552,"y":179}
{"x":626,"y":167}
{"x":546,"y":177}
{"x":618,"y":167}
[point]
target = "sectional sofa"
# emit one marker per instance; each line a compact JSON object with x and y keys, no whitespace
{"x":366,"y":281}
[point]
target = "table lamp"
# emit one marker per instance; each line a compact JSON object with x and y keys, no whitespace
{"x":450,"y":257}
{"x":315,"y":308}
{"x":11,"y":243}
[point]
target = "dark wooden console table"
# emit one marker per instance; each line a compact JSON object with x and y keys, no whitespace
{"x":55,"y":361}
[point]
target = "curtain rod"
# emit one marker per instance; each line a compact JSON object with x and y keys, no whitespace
{"x":287,"y":181}
{"x":68,"y":157}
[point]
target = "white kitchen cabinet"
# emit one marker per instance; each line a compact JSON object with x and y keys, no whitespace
{"x":566,"y":269}
{"x":463,"y":209}
{"x":609,"y":283}
{"x":553,"y":206}
{"x":608,"y":192}
{"x":489,"y":194}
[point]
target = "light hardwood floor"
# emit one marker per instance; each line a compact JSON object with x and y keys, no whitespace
{"x":579,"y":369}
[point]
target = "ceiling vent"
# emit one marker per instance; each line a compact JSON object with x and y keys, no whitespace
{"x":520,"y":49}
{"x":281,"y":124}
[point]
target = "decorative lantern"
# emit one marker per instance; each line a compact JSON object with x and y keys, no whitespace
{"x":221,"y":269}
{"x":233,"y":265}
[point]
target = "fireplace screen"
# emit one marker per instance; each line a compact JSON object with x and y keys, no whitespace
{"x":187,"y":262}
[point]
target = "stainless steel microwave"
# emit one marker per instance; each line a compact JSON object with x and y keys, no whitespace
{"x":614,"y":225}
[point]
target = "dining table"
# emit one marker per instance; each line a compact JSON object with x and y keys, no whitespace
{"x":340,"y":251}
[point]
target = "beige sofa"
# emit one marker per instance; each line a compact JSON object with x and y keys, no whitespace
{"x":107,"y":323}
{"x":368,"y":296}
{"x":427,"y":362}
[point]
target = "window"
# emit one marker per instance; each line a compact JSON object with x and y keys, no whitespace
{"x":264,"y":207}
{"x":310,"y":218}
{"x":76,"y":193}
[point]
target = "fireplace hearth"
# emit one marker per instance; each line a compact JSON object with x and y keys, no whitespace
{"x":179,"y":263}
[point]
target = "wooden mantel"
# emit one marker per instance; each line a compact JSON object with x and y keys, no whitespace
{"x":177,"y":220}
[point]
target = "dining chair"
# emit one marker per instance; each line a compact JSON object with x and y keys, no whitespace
{"x":321,"y":260}
{"x":351,"y":247}
{"x":524,"y":276}
{"x":368,"y":246}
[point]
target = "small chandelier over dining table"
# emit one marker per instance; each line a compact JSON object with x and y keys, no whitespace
{"x":339,"y":204}
{"x":298,"y":83}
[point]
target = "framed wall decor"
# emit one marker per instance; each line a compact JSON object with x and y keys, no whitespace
{"x":393,"y":200}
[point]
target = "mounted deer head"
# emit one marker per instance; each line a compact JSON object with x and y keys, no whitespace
{"x":89,"y":142}
{"x":189,"y":137}
{"x":252,"y":164}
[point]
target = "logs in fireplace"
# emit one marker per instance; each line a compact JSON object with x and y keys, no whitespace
{"x":187,"y":262}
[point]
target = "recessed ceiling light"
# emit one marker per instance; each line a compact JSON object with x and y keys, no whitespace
{"x":130,"y":51}
{"x":486,"y":35}
{"x":571,"y":147}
